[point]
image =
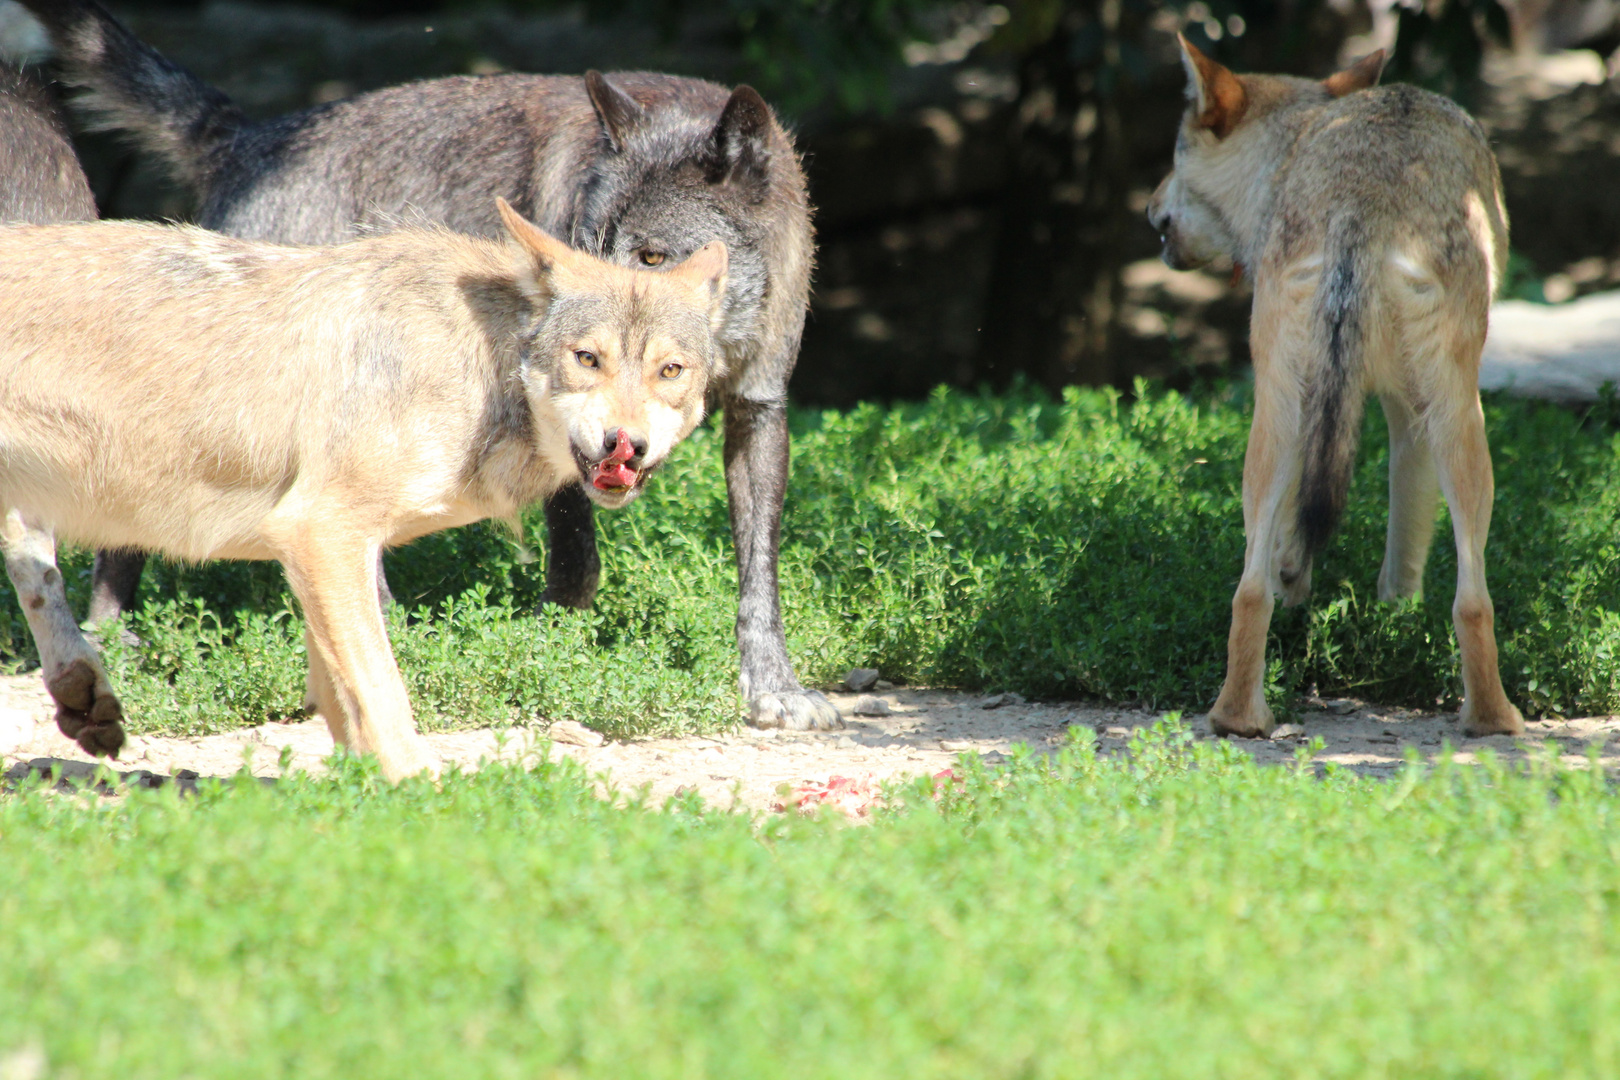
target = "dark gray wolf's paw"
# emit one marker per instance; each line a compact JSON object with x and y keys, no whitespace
{"x":89,"y":716}
{"x":793,"y":710}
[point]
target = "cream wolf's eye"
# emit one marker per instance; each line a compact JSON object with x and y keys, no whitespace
{"x":652,"y":258}
{"x":585,"y":357}
{"x":672,"y":371}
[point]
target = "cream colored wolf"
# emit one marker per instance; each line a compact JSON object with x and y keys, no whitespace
{"x":180,"y":391}
{"x":1371,"y":220}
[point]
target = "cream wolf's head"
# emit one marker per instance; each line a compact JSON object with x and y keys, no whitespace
{"x":616,"y":367}
{"x":1236,"y":132}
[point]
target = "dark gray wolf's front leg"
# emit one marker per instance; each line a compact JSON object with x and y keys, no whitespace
{"x":756,"y":478}
{"x":113,"y":581}
{"x":573,"y":568}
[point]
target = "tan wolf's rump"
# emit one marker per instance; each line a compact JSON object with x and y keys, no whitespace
{"x":1371,"y":220}
{"x":184,"y":392}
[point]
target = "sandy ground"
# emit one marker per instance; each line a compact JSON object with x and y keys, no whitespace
{"x":924,"y":733}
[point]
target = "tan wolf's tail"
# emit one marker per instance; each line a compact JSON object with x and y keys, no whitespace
{"x":1333,"y":392}
{"x":135,"y":88}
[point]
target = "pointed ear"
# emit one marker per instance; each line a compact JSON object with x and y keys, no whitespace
{"x":1216,"y":93}
{"x":1358,"y":76}
{"x":545,"y":252}
{"x":740,"y":149}
{"x":620,"y":114}
{"x":706,"y":269}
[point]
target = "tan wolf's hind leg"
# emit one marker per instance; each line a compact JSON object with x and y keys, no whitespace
{"x":353,"y":677}
{"x":1457,"y":435}
{"x":319,"y":693}
{"x":1414,"y":487}
{"x":87,"y":710}
{"x":1269,"y":468}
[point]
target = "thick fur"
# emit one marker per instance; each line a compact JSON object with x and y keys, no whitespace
{"x":640,"y":169}
{"x":174,"y":390}
{"x":40,"y":178}
{"x":1371,"y":221}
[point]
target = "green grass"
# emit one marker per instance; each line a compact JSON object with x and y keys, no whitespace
{"x":1182,"y":914}
{"x":1082,"y":547}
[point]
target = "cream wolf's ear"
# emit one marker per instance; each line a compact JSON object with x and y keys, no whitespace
{"x":1215,"y":92}
{"x":1358,"y":76}
{"x":546,"y":251}
{"x":706,"y":269}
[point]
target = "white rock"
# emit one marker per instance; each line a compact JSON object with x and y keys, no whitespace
{"x":1288,"y":731}
{"x":1560,"y":352}
{"x":867,"y":705}
{"x":996,"y":701}
{"x":574,"y":733}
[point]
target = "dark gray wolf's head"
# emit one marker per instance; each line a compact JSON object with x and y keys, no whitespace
{"x":671,"y":178}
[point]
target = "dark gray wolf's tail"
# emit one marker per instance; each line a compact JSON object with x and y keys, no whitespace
{"x":133,"y":87}
{"x":1333,"y":390}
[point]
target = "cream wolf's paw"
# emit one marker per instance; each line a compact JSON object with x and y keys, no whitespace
{"x":1254,"y":722}
{"x":1504,"y":719}
{"x":793,"y":710}
{"x":87,"y":711}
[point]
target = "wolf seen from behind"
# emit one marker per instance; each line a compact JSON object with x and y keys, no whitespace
{"x":174,"y":390}
{"x":640,"y":169}
{"x":1371,"y":221}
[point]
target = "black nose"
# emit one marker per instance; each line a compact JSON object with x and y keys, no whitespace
{"x":638,"y":443}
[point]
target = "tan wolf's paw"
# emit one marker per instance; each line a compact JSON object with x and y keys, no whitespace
{"x":793,"y":710}
{"x":1255,"y":722}
{"x":1504,"y":719}
{"x":88,"y":714}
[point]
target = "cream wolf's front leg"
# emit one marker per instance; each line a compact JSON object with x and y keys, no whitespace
{"x":87,"y":711}
{"x":353,"y":679}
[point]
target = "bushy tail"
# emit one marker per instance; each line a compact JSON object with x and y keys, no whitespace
{"x":1333,"y":394}
{"x":133,"y":87}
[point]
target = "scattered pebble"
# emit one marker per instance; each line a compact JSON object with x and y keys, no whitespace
{"x":846,"y":743}
{"x":574,"y":733}
{"x":1117,"y":732}
{"x":996,"y":701}
{"x":1342,"y":706}
{"x":956,"y":746}
{"x":861,"y":679}
{"x":883,"y":684}
{"x":1288,"y":731}
{"x":867,"y":705}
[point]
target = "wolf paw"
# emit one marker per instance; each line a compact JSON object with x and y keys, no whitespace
{"x":1505,"y":719}
{"x":1252,"y":723}
{"x":793,"y":710}
{"x":88,"y":714}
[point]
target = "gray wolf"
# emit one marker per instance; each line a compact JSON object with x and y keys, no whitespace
{"x":1371,"y":220}
{"x":640,"y":169}
{"x":175,"y":390}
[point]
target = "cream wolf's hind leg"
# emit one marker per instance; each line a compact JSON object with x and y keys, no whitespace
{"x":1414,"y":487}
{"x":87,"y":710}
{"x":353,"y":679}
{"x":1269,"y":468}
{"x":1457,"y":440}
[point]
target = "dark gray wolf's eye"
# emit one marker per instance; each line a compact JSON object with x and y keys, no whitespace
{"x":652,"y":258}
{"x":585,"y":358}
{"x":672,"y":371}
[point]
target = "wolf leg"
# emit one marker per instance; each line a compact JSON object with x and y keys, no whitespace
{"x":352,"y":665}
{"x":113,"y":581}
{"x":319,"y":693}
{"x":1464,"y":462}
{"x":756,"y":479}
{"x":1414,"y":487}
{"x":87,"y":710}
{"x":573,"y":568}
{"x":1269,"y":465}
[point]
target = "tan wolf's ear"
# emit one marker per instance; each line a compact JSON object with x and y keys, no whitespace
{"x":706,"y":269}
{"x":1358,"y":76}
{"x":546,"y":251}
{"x":1216,"y":93}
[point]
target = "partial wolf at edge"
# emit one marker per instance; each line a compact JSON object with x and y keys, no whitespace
{"x":638,"y":168}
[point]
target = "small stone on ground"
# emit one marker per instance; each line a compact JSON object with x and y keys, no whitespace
{"x":861,"y":679}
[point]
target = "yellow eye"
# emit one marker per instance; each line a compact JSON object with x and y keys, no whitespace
{"x":652,"y":258}
{"x":672,"y":371}
{"x":585,"y":358}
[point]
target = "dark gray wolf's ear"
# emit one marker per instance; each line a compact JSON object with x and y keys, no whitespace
{"x":741,"y":152}
{"x":620,"y":113}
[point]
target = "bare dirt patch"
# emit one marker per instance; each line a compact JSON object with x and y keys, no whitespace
{"x":923,"y":733}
